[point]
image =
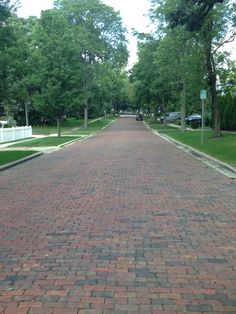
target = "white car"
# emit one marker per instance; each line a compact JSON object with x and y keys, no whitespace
{"x":171,"y":117}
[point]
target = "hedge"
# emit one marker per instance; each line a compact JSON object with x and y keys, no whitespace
{"x":227,"y":105}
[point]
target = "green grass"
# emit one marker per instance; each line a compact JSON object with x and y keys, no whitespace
{"x":55,"y":141}
{"x":222,"y":148}
{"x":15,"y":141}
{"x":67,"y":125}
{"x":10,"y":156}
{"x":94,"y":126}
{"x":46,"y":141}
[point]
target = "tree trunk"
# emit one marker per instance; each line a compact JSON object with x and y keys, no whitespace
{"x":26,"y":114}
{"x":215,"y":107}
{"x":164,"y":110}
{"x":113,"y":106}
{"x":183,"y":108}
{"x":86,"y":115}
{"x":59,"y":119}
{"x":211,"y":69}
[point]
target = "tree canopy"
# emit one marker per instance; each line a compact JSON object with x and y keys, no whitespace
{"x":56,"y":63}
{"x":188,"y":57}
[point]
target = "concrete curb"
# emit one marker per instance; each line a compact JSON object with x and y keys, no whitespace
{"x":218,"y":165}
{"x":20,"y":161}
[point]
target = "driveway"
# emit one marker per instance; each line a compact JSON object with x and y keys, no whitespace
{"x":122,"y":222}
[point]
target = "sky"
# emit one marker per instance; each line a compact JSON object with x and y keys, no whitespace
{"x":132,"y":15}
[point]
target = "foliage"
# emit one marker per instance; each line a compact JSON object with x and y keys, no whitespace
{"x":186,"y":57}
{"x":228,"y":112}
{"x":55,"y":65}
{"x":168,"y":74}
{"x":192,"y":14}
{"x":208,"y":21}
{"x":6,"y":43}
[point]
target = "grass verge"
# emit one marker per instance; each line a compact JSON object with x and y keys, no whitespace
{"x":222,"y":148}
{"x":45,"y":142}
{"x":67,"y":125}
{"x":10,"y":156}
{"x":94,"y":126}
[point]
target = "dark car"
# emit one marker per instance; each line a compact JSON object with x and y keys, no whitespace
{"x":193,"y":117}
{"x":139,"y":117}
{"x":194,"y":120}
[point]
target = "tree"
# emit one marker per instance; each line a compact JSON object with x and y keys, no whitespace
{"x":145,"y":74}
{"x":22,"y":67}
{"x":192,"y":14}
{"x":58,"y":69}
{"x":209,"y":20}
{"x":168,"y":71}
{"x":6,"y":42}
{"x":98,"y":30}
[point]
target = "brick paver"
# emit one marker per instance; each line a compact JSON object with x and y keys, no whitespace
{"x":122,"y":222}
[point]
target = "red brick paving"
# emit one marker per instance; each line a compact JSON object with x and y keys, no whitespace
{"x":122,"y":222}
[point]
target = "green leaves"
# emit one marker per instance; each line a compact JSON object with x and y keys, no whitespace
{"x":58,"y":62}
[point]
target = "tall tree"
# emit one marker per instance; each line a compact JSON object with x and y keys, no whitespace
{"x":100,"y":35}
{"x":6,"y":42}
{"x":58,"y":68}
{"x":209,"y":21}
{"x":168,"y":72}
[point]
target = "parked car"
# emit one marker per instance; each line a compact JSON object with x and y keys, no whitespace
{"x":193,"y":117}
{"x":139,"y":117}
{"x":194,"y":120}
{"x":171,"y":117}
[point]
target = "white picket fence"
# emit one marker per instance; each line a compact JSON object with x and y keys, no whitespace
{"x":14,"y":134}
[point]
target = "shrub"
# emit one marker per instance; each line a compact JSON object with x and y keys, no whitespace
{"x":228,"y":112}
{"x":7,"y":126}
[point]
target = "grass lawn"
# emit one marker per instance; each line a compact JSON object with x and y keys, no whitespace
{"x":94,"y":126}
{"x":51,"y":129}
{"x":55,"y":141}
{"x":10,"y":156}
{"x":222,"y":148}
{"x":69,"y":125}
{"x":46,"y":141}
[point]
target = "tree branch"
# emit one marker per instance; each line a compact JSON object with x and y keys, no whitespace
{"x":229,"y":40}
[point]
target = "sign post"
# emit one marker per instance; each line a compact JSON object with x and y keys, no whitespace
{"x":203,"y":96}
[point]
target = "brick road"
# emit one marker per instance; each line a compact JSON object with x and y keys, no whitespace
{"x":122,"y":222}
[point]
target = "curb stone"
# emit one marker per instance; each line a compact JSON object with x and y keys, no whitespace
{"x":220,"y":166}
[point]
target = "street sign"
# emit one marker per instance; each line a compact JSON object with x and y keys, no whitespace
{"x":203,"y":94}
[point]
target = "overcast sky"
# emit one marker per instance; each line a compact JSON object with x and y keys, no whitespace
{"x":132,"y":12}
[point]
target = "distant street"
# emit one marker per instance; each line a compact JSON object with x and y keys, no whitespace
{"x":122,"y":222}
